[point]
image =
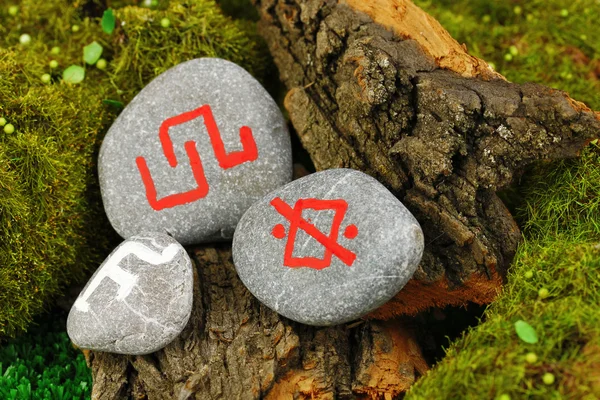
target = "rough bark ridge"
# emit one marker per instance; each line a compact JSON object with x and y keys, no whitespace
{"x":398,"y":99}
{"x":235,"y":348}
{"x":381,"y":87}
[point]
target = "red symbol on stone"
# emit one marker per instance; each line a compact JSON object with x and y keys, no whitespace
{"x":332,"y":247}
{"x":225,"y":160}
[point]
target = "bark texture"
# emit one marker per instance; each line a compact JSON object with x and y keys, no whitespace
{"x":381,"y":87}
{"x":377,"y":86}
{"x":235,"y":348}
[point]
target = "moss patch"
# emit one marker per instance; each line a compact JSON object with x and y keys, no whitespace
{"x":490,"y":360}
{"x":52,"y":224}
{"x":50,"y":221}
{"x":554,"y":282}
{"x":552,"y":42}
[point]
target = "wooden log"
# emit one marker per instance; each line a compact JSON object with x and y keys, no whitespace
{"x":379,"y":86}
{"x":234,"y":347}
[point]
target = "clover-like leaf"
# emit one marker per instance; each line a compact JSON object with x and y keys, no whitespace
{"x":108,"y":21}
{"x":526,"y":332}
{"x":92,"y":53}
{"x":74,"y":74}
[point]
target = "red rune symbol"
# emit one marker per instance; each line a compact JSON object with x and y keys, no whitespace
{"x":226,"y":161}
{"x":294,"y":216}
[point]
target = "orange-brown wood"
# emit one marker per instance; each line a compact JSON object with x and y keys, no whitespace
{"x":418,"y":296}
{"x":410,"y":22}
{"x":299,"y":384}
{"x":395,"y":363}
{"x":389,"y":364}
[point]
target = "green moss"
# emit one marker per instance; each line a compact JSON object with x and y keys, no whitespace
{"x":557,"y":206}
{"x":560,"y":255}
{"x":44,"y":365}
{"x":198,"y":29}
{"x":560,"y":52}
{"x":490,"y":359}
{"x":242,"y":9}
{"x":52,"y":225}
{"x":48,"y":235}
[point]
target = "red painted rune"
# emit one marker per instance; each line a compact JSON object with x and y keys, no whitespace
{"x":330,"y":242}
{"x":225,"y":160}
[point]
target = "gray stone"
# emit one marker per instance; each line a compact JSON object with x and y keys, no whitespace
{"x":139,"y":299}
{"x":355,"y":260}
{"x":190,"y":184}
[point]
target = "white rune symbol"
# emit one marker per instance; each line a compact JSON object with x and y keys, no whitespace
{"x":124,"y":279}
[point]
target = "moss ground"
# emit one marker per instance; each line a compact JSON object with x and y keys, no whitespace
{"x":44,"y":365}
{"x":561,"y":254}
{"x":555,"y":42}
{"x":52,"y":227}
{"x":554,"y":282}
{"x":552,"y":42}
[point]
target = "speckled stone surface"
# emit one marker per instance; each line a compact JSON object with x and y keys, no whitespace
{"x":139,"y":299}
{"x":365,"y":247}
{"x":201,"y":187}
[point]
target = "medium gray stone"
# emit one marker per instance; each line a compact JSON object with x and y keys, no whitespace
{"x":368,"y":247}
{"x":139,"y":299}
{"x":202,"y":185}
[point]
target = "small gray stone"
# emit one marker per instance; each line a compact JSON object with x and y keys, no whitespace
{"x":327,"y":248}
{"x":192,"y":151}
{"x":139,"y":299}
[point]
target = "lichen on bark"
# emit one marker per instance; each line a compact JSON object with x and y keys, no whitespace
{"x":443,"y":137}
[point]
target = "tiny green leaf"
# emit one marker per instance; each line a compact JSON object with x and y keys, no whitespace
{"x":92,"y":53}
{"x":114,"y":103}
{"x":74,"y":74}
{"x":525,"y":332}
{"x":108,"y":21}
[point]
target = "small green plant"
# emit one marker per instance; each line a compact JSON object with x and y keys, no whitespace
{"x":44,"y":365}
{"x":92,"y":53}
{"x":74,"y":74}
{"x":526,"y":332}
{"x":108,"y":21}
{"x":52,"y":225}
{"x":101,"y":64}
{"x":531,"y":358}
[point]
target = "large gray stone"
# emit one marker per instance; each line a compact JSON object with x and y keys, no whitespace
{"x":139,"y":299}
{"x":380,"y":246}
{"x":219,"y":188}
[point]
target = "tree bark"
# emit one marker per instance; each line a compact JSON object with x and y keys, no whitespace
{"x":234,"y":347}
{"x":381,"y":87}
